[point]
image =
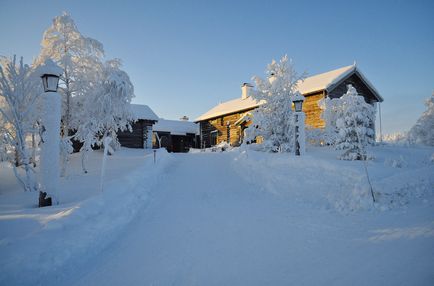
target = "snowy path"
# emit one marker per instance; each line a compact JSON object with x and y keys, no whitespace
{"x":219,"y":230}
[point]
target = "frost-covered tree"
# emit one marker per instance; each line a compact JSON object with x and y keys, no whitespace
{"x":423,"y":131}
{"x":354,"y":122}
{"x":18,"y":95}
{"x":330,"y":108}
{"x":81,"y":59}
{"x":107,"y":110}
{"x":274,"y":120}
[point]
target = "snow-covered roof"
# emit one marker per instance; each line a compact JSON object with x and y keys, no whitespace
{"x":144,"y":112}
{"x":176,"y":127}
{"x":324,"y":81}
{"x":230,"y":106}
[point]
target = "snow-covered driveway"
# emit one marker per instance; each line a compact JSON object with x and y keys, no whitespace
{"x":207,"y":226}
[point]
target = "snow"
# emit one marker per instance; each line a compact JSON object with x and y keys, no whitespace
{"x":234,"y":105}
{"x":275,"y":219}
{"x":50,"y":145}
{"x":323,"y":81}
{"x":144,"y":112}
{"x":49,"y":67}
{"x":39,"y":241}
{"x":176,"y":127}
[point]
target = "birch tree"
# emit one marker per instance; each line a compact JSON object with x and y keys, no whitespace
{"x":18,"y":95}
{"x":81,"y":59}
{"x":107,"y":110}
{"x":274,"y":120}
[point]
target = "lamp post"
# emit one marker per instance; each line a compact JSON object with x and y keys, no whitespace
{"x":50,"y":137}
{"x":299,"y":124}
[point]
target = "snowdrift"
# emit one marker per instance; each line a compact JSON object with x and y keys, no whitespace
{"x":318,"y":180}
{"x":78,"y":230}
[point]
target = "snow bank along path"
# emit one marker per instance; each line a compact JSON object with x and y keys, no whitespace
{"x":74,"y":232}
{"x":207,"y":225}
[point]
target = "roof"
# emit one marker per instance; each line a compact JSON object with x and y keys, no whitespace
{"x":324,"y":81}
{"x":176,"y":127}
{"x":143,"y":112}
{"x":230,"y":106}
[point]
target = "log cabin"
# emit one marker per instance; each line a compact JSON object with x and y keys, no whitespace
{"x":141,"y":134}
{"x":176,"y":135}
{"x":227,"y":121}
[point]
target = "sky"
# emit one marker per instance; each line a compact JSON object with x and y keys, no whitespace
{"x":184,"y":57}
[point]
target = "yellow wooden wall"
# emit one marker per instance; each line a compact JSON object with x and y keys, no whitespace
{"x":313,"y":111}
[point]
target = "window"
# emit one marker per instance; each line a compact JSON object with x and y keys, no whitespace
{"x":228,"y":133}
{"x":213,"y":138}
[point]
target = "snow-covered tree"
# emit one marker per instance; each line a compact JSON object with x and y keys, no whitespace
{"x":354,"y":122}
{"x":330,"y":108}
{"x":81,"y":59}
{"x":107,"y":110}
{"x":18,"y":95}
{"x":274,"y":120}
{"x":423,"y":131}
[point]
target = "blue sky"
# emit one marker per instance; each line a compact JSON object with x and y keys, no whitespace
{"x":184,"y":57}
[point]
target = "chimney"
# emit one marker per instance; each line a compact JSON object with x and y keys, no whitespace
{"x":245,"y":90}
{"x":272,"y":78}
{"x":184,"y":118}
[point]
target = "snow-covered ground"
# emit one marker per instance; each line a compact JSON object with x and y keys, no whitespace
{"x":227,"y":218}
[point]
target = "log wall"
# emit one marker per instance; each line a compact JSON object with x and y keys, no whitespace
{"x":134,"y":139}
{"x":313,"y":111}
{"x":222,"y":125}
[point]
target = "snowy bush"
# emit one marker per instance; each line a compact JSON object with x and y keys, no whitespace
{"x":423,"y":131}
{"x":315,"y":136}
{"x":274,"y":120}
{"x":396,"y":163}
{"x":354,"y":123}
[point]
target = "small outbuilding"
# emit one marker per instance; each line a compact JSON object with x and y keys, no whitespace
{"x":141,"y":135}
{"x":176,"y":135}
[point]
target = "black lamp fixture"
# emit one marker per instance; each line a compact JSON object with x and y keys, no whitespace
{"x":50,"y":82}
{"x":298,"y":103}
{"x":50,"y":73}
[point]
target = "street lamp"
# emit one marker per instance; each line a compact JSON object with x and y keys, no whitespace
{"x":298,"y":100}
{"x":298,"y":103}
{"x":50,"y":82}
{"x":50,"y":137}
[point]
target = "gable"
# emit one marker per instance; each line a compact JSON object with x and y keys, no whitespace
{"x":357,"y":80}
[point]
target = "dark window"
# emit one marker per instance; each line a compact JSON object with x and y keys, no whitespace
{"x":228,"y":131}
{"x":213,"y":138}
{"x":222,"y":121}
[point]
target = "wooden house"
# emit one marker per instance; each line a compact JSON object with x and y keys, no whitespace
{"x":176,"y":135}
{"x":141,"y":135}
{"x":226,"y":122}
